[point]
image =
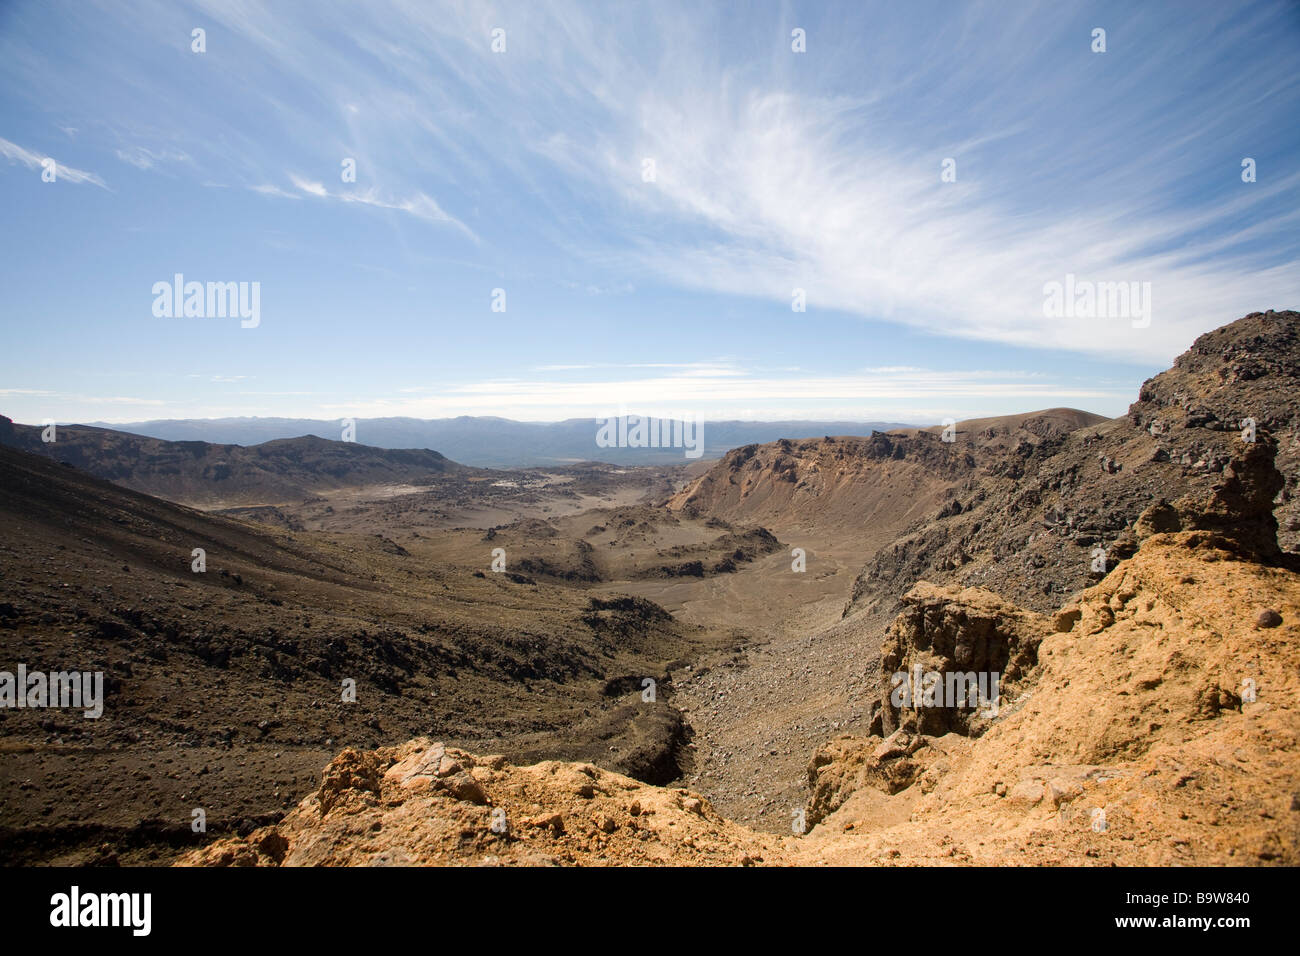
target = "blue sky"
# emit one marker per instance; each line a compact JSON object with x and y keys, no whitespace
{"x":523,"y":170}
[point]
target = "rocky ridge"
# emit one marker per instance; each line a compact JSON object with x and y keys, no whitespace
{"x":1036,"y":517}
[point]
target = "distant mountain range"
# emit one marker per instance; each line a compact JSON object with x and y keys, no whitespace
{"x":487,"y":442}
{"x":206,"y":474}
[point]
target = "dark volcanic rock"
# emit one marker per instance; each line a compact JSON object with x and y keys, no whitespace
{"x":1039,"y":520}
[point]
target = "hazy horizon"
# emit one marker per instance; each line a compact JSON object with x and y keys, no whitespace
{"x":520,"y":421}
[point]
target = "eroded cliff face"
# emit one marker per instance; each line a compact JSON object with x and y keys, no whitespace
{"x":1158,"y":727}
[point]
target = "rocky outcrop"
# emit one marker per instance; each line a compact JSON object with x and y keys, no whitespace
{"x":426,"y":804}
{"x":848,"y":765}
{"x":1238,"y":506}
{"x":1242,"y":374}
{"x":935,"y":652}
{"x":1158,"y":726}
{"x":949,"y":663}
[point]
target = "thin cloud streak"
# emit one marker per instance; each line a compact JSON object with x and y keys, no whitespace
{"x":420,"y":205}
{"x":17,"y":154}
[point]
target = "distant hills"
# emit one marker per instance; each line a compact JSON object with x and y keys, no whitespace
{"x":226,"y":475}
{"x":487,"y":442}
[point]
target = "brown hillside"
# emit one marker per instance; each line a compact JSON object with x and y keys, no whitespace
{"x":846,"y":485}
{"x":208,"y":475}
{"x":223,"y":688}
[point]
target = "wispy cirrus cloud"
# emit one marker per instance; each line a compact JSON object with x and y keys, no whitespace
{"x":310,"y":188}
{"x":142,"y":157}
{"x":266,"y":189}
{"x":419,"y":205}
{"x":17,"y":154}
{"x":762,"y":188}
{"x":786,"y":203}
{"x":695,"y":368}
{"x":817,"y":173}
